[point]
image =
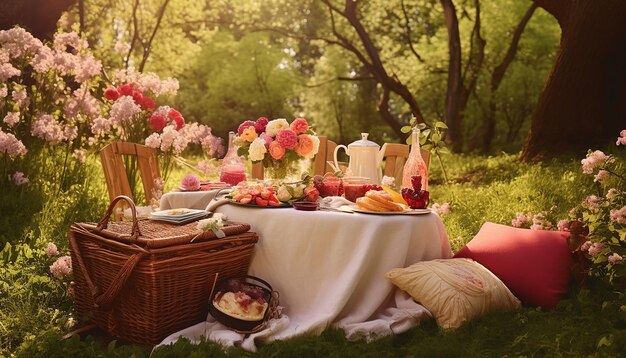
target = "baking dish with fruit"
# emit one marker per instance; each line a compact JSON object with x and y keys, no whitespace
{"x":243,"y":303}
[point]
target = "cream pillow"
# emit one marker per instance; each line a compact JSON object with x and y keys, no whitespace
{"x":455,"y":291}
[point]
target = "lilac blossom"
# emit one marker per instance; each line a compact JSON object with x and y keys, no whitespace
{"x":602,"y":174}
{"x":619,"y":215}
{"x":592,"y":201}
{"x":622,"y":138}
{"x":11,"y":146}
{"x":61,"y":267}
{"x":51,"y":249}
{"x":519,"y":220}
{"x":80,"y":155}
{"x":19,"y":178}
{"x":595,"y":249}
{"x":611,"y":193}
{"x":11,"y":119}
{"x":615,"y":257}
{"x":593,"y":160}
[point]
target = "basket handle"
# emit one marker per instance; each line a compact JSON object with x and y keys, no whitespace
{"x":104,"y":301}
{"x":105,"y":220}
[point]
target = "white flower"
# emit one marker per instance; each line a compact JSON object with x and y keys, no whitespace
{"x":276,"y":125}
{"x":215,"y":223}
{"x":388,"y":181}
{"x":257,"y":150}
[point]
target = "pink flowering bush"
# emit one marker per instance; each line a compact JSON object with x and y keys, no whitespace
{"x":55,"y":106}
{"x":604,"y":214}
{"x":135,"y":114}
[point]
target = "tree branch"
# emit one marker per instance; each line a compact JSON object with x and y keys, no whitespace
{"x":499,"y":71}
{"x":135,"y":34}
{"x":148,"y":45}
{"x":407,"y":31}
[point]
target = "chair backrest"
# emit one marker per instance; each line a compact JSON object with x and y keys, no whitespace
{"x":395,"y":155}
{"x":114,"y":156}
{"x":320,"y":165}
{"x":323,"y":156}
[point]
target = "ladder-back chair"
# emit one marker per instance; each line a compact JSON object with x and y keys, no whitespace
{"x":112,"y":157}
{"x":395,"y":155}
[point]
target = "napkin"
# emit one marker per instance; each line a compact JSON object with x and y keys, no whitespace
{"x":334,"y":202}
{"x":143,"y":212}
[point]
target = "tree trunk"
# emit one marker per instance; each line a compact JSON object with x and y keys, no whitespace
{"x":39,"y":17}
{"x":453,"y":93}
{"x":583,"y":104}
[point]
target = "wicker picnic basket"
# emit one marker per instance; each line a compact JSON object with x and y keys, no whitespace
{"x":142,"y":280}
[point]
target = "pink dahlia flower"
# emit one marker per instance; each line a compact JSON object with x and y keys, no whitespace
{"x":287,"y":138}
{"x":190,"y":182}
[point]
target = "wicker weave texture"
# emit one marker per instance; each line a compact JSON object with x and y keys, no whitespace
{"x":142,"y":295}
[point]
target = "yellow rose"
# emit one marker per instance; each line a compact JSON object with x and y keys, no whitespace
{"x":249,"y":134}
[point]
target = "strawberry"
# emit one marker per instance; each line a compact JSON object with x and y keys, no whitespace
{"x":265,"y":194}
{"x":260,"y":201}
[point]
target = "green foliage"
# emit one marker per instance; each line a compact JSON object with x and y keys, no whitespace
{"x":233,"y":80}
{"x":32,"y":301}
{"x":496,"y":188}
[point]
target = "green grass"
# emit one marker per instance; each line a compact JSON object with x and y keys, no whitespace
{"x":592,"y":322}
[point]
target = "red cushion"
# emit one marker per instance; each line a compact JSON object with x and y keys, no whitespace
{"x":534,"y":264}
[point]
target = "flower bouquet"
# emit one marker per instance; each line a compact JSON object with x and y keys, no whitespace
{"x":279,"y":145}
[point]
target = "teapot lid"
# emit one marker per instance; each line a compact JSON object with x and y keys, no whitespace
{"x":363,"y":142}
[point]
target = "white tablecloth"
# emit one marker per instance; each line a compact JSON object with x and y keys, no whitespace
{"x":329,"y":268}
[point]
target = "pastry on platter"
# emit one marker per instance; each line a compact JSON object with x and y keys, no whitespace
{"x":376,"y":200}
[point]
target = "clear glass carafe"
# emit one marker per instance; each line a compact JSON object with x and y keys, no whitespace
{"x":415,"y":164}
{"x":232,"y":170}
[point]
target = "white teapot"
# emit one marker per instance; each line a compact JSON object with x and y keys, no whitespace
{"x":365,"y":159}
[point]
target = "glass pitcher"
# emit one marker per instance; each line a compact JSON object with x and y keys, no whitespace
{"x":232,"y":170}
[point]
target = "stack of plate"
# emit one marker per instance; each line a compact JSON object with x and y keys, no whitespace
{"x":179,"y":216}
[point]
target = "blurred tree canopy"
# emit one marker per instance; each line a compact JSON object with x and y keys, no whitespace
{"x":348,"y":66}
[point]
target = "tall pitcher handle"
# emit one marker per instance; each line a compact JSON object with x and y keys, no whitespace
{"x":335,"y":154}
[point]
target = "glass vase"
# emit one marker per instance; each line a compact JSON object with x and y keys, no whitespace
{"x":287,"y":171}
{"x":415,"y":164}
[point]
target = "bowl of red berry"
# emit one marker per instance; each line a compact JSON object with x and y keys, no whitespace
{"x":415,"y":197}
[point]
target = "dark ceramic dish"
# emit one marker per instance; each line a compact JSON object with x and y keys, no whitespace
{"x":305,"y":205}
{"x":237,"y":324}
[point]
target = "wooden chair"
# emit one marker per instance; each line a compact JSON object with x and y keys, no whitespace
{"x":112,"y":157}
{"x":395,"y":155}
{"x":323,"y":156}
{"x":320,"y":165}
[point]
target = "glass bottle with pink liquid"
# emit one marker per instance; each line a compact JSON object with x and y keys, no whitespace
{"x":232,"y":170}
{"x":415,"y":164}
